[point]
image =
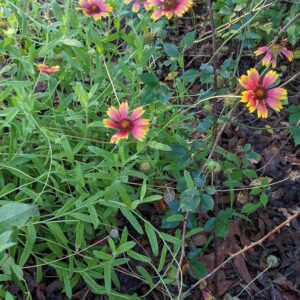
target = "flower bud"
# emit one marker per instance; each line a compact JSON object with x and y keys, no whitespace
{"x":145,"y":167}
{"x":149,"y":37}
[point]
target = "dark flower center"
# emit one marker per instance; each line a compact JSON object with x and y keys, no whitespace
{"x":125,"y":125}
{"x":260,"y":93}
{"x":276,"y":49}
{"x":94,"y":9}
{"x":170,"y":4}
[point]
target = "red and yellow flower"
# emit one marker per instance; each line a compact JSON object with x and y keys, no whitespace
{"x":138,"y":4}
{"x":45,"y":69}
{"x":169,"y":8}
{"x":261,"y":91}
{"x":96,"y":9}
{"x":134,"y":125}
{"x":271,"y":54}
{"x":207,"y":295}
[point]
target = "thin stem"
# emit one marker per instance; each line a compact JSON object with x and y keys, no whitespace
{"x":284,"y":28}
{"x":179,"y":271}
{"x":213,"y":37}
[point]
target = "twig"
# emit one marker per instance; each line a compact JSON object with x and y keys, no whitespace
{"x":284,"y":28}
{"x":213,"y":37}
{"x":182,"y":255}
{"x":291,"y":79}
{"x":245,"y":249}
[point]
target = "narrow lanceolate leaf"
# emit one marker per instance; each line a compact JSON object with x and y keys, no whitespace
{"x":132,"y":219}
{"x":30,"y":241}
{"x":5,"y":241}
{"x":15,"y":215}
{"x":152,"y":238}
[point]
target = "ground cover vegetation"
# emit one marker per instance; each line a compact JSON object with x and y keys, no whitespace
{"x":149,"y":149}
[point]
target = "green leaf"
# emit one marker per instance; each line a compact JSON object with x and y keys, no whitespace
{"x":175,"y":218}
{"x":189,"y":180}
{"x":159,"y":146}
{"x":250,"y":173}
{"x":171,"y":50}
{"x":188,"y":40}
{"x":194,"y":231}
{"x":149,"y":79}
{"x":30,"y":241}
{"x":190,"y":75}
{"x":207,"y":202}
{"x":5,"y":241}
{"x":139,"y":256}
{"x":132,"y":219}
{"x":107,"y":277}
{"x":125,"y":247}
{"x":263,"y":199}
{"x":250,"y":208}
{"x":152,"y":238}
{"x":197,"y":270}
{"x":190,"y":200}
{"x":15,"y":214}
{"x":145,"y":275}
{"x":72,"y":42}
{"x":67,"y":149}
{"x":79,"y":232}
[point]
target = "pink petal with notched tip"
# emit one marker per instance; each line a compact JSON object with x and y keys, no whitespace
{"x":266,"y":59}
{"x":139,"y":132}
{"x":270,"y":78}
{"x":137,"y":113}
{"x":108,"y":123}
{"x":287,"y":53}
{"x":262,"y":111}
{"x":251,"y":80}
{"x":118,"y":136}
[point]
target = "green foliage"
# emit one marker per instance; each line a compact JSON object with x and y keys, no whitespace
{"x":73,"y":203}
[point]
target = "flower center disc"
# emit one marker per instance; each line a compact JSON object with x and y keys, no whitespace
{"x":276,"y":49}
{"x":95,"y":8}
{"x":170,"y":4}
{"x":260,"y":93}
{"x":125,"y":125}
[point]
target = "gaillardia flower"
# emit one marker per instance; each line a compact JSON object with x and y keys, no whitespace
{"x":207,"y":295}
{"x":137,"y":5}
{"x":120,"y":120}
{"x":46,"y":70}
{"x":95,"y":8}
{"x":169,"y":8}
{"x":261,"y":92}
{"x":272,"y":52}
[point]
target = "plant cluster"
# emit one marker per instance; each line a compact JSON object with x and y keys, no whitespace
{"x":101,"y":127}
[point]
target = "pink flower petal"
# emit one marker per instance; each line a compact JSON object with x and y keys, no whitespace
{"x":155,"y":2}
{"x":261,"y":50}
{"x":270,"y":78}
{"x":108,"y":123}
{"x":266,"y":59}
{"x":246,"y":96}
{"x":114,"y":114}
{"x":250,"y":81}
{"x":262,"y":111}
{"x":157,"y":14}
{"x":137,"y":113}
{"x":273,"y":103}
{"x":136,"y":6}
{"x":287,"y":53}
{"x":123,"y":110}
{"x":141,"y":122}
{"x":277,"y":93}
{"x":118,"y":136}
{"x":139,"y":132}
